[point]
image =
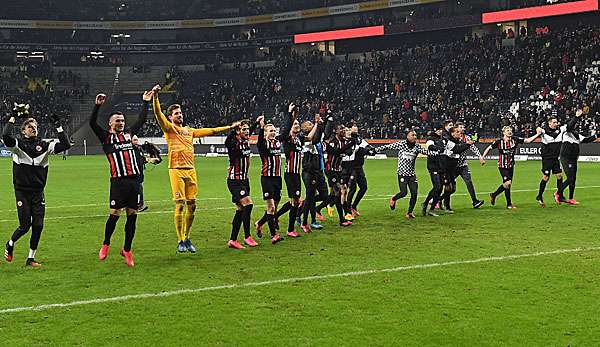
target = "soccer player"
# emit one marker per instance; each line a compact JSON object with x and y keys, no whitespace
{"x":292,"y":141}
{"x":436,"y":164}
{"x":124,"y":172}
{"x":182,"y":169}
{"x":269,"y":148}
{"x":357,"y":178}
{"x":408,"y":150}
{"x":569,"y":153}
{"x":551,"y":144}
{"x":453,"y":150}
{"x":238,"y":150}
{"x":30,"y":172}
{"x":313,"y":164}
{"x":336,"y":147}
{"x":506,"y":146}
{"x":463,"y":166}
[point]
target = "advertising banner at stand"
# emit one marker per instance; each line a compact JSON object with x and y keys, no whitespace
{"x":210,"y":22}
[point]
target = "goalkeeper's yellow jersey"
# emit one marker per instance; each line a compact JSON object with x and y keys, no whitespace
{"x":180,"y":139}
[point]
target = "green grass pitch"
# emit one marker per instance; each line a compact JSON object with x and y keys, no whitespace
{"x":544,"y":299}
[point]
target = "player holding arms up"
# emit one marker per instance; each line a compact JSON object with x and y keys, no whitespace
{"x":269,"y":148}
{"x":238,"y":150}
{"x":124,"y":172}
{"x":506,"y":146}
{"x":30,"y":172}
{"x":182,"y":168}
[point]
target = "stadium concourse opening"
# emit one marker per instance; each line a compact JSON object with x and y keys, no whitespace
{"x":275,"y":172}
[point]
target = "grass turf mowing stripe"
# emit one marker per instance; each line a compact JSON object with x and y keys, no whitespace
{"x":291,"y":280}
{"x":381,"y":197}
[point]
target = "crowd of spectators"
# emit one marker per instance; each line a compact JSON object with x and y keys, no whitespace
{"x":46,"y":90}
{"x":477,"y":80}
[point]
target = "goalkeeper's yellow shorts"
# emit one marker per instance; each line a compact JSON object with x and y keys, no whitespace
{"x":183,"y":184}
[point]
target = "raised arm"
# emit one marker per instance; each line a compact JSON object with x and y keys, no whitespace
{"x":313,"y":132}
{"x":538,"y":132}
{"x":146,"y":98}
{"x":100,"y":133}
{"x":7,"y":133}
{"x":161,"y":119}
{"x":485,"y":153}
{"x":202,"y":132}
{"x":286,"y":129}
{"x":63,"y":139}
{"x":394,"y":146}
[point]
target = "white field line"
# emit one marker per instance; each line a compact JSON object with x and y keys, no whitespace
{"x":368,"y":198}
{"x":164,"y":294}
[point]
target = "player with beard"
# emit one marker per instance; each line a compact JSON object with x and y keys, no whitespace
{"x":463,"y":166}
{"x":336,"y":147}
{"x":454,"y":148}
{"x":551,"y":144}
{"x":182,"y":167}
{"x":408,"y":150}
{"x":357,"y":178}
{"x":30,"y":173}
{"x":569,"y":153}
{"x":124,"y":172}
{"x":313,"y":166}
{"x":238,"y":150}
{"x":507,"y":147}
{"x":436,"y":164}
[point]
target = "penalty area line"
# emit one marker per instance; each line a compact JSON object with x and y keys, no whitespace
{"x":165,"y":294}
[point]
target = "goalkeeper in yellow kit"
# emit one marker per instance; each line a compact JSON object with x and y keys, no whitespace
{"x":182,"y":171}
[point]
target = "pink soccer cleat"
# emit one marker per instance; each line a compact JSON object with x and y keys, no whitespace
{"x":293,"y":234}
{"x":234,"y":244}
{"x":103,"y":252}
{"x":128,"y":258}
{"x":276,"y":239}
{"x":409,"y":216}
{"x":392,"y":203}
{"x":557,"y":198}
{"x":355,"y":213}
{"x":249,"y":241}
{"x":258,"y":228}
{"x":572,"y":202}
{"x":346,"y":223}
{"x":320,"y":217}
{"x":305,"y":228}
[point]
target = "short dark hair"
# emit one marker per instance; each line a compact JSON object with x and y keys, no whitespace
{"x":448,"y":121}
{"x":551,"y":118}
{"x":459,"y":123}
{"x":172,"y":108}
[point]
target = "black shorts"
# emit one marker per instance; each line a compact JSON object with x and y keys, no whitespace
{"x":506,"y":174}
{"x":239,"y":189}
{"x":271,"y":187}
{"x":550,"y":166}
{"x":31,"y":205}
{"x":334,"y":178}
{"x":345,"y":176}
{"x":293,"y":183}
{"x":125,"y":193}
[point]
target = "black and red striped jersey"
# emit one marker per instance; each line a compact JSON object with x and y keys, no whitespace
{"x":507,"y":150}
{"x":335,"y":149}
{"x":118,"y":146}
{"x":292,"y":146}
{"x":270,"y":155}
{"x":239,"y":152}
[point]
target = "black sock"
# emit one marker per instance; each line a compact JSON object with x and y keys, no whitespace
{"x":498,"y":191}
{"x":236,"y":223}
{"x":507,"y":196}
{"x":340,"y":210}
{"x":284,"y":209}
{"x":129,"y":232}
{"x":263,"y":219}
{"x":247,"y":214}
{"x":271,"y":223}
{"x":571,"y":189}
{"x":109,"y":228}
{"x":559,"y":184}
{"x":542,"y":188}
{"x":292,"y":220}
